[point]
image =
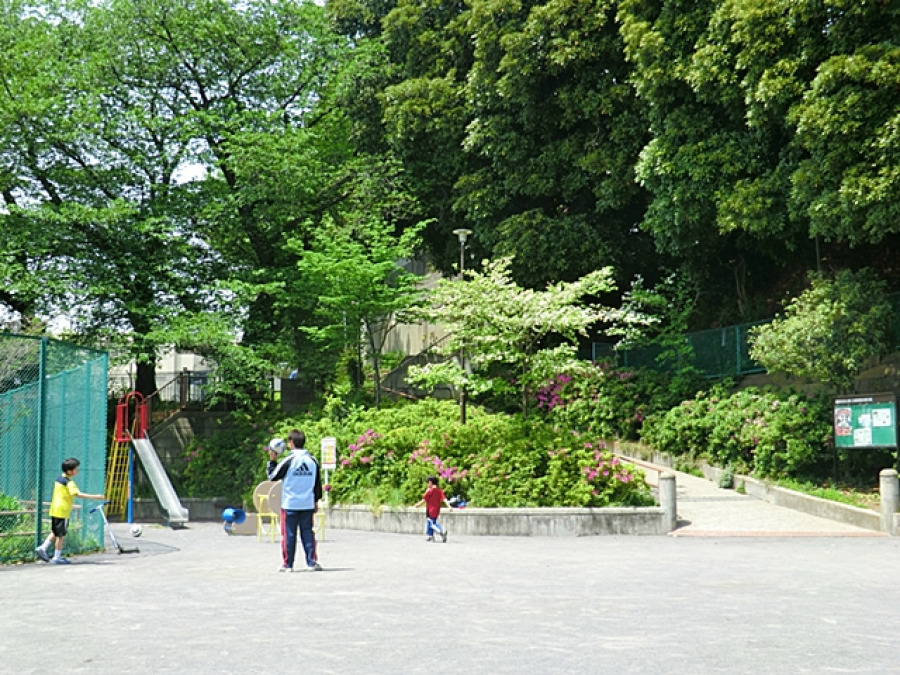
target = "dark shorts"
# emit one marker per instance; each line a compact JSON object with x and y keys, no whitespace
{"x":59,"y":526}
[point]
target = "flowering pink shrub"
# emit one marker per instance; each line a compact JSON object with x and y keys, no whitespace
{"x":612,"y":402}
{"x":494,"y":460}
{"x":769,"y":434}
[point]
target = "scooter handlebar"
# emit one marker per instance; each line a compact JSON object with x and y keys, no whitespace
{"x":96,"y":508}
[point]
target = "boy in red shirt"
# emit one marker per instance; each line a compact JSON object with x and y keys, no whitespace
{"x":433,"y":499}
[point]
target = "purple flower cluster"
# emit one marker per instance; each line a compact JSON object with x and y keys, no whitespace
{"x":423,"y":454}
{"x":549,"y":396}
{"x":359,"y":451}
{"x":606,"y":466}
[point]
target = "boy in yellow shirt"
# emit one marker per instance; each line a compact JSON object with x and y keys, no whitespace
{"x":64,"y":492}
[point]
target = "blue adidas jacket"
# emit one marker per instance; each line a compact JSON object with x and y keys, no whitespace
{"x":301,"y":484}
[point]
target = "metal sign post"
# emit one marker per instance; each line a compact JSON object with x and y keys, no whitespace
{"x":328,"y":462}
{"x":329,"y":458}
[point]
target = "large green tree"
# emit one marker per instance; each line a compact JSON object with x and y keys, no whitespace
{"x":97,"y":225}
{"x":405,"y":94}
{"x":557,"y":128}
{"x":246,"y":80}
{"x":362,"y":292}
{"x":772,"y":127}
{"x":829,"y":332}
{"x":160,"y":152}
{"x":514,"y":119}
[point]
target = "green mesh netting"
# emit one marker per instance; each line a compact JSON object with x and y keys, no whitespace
{"x":52,"y":406}
{"x":720,"y":352}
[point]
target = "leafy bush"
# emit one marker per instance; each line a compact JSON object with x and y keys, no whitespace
{"x":11,"y":523}
{"x":14,"y":547}
{"x":494,"y":460}
{"x":830,"y":331}
{"x":768,"y":434}
{"x":386,"y":454}
{"x":613,"y":402}
{"x":230,"y":463}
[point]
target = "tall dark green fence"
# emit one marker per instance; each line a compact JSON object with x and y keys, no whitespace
{"x":52,"y":406}
{"x":719,"y":352}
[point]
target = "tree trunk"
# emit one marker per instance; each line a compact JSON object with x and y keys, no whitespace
{"x":375,"y":346}
{"x":146,"y":378}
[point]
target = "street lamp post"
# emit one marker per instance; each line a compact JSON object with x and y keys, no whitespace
{"x":462,"y":234}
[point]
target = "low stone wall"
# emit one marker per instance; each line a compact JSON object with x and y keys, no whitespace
{"x":537,"y":522}
{"x":525,"y":522}
{"x":815,"y":506}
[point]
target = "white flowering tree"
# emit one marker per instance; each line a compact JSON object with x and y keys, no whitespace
{"x":514,"y":337}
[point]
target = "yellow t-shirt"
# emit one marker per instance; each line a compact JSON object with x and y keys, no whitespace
{"x":64,"y":491}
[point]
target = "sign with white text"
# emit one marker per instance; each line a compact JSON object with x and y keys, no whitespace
{"x":865,"y":421}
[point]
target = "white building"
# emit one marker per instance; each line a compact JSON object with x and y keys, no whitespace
{"x":171,"y":362}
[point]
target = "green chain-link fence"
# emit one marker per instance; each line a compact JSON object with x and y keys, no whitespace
{"x":720,"y":352}
{"x":52,"y":406}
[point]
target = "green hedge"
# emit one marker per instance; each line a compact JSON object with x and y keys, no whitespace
{"x":492,"y":461}
{"x":768,"y":434}
{"x":385,"y":456}
{"x":613,"y":402}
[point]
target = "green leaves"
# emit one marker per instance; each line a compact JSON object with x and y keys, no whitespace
{"x":499,"y":324}
{"x":769,"y":434}
{"x":829,"y":331}
{"x":493,"y":461}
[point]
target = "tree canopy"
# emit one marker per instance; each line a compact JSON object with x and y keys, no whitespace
{"x":205,"y":172}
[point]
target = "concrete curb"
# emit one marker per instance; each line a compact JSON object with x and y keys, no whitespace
{"x":814,"y":506}
{"x":778,"y":496}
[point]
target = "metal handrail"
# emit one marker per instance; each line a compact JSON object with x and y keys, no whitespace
{"x":406,"y":359}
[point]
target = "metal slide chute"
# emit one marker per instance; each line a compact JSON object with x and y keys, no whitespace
{"x":176,"y":514}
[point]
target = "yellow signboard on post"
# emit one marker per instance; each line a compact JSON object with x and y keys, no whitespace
{"x":329,"y":452}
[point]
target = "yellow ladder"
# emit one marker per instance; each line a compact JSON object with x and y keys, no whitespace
{"x":117,"y":471}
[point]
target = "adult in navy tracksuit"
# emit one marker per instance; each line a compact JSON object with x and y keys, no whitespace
{"x":301,"y":490}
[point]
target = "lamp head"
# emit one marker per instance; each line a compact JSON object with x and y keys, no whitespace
{"x":462,"y":234}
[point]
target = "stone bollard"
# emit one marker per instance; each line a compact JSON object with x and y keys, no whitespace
{"x":667,"y":500}
{"x":890,"y":499}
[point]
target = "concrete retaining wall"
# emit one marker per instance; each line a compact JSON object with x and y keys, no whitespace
{"x":525,"y":522}
{"x":548,"y":522}
{"x":559,"y":522}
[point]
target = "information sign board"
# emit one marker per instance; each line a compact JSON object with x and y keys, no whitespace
{"x":329,"y":452}
{"x":865,"y":421}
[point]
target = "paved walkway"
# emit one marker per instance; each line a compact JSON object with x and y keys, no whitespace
{"x":199,"y":601}
{"x":704,"y":509}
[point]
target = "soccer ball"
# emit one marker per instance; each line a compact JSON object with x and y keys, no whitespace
{"x":277,"y":445}
{"x":136,"y":530}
